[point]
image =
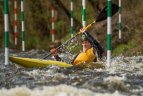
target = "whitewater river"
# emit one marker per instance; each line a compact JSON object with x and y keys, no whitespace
{"x":124,"y":78}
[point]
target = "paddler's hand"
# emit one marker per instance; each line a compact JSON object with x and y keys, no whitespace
{"x":82,"y":30}
{"x":54,"y":51}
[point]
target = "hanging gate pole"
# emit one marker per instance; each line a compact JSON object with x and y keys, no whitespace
{"x":15,"y":22}
{"x":83,"y":13}
{"x":109,"y":14}
{"x":72,"y":28}
{"x":22,"y":25}
{"x":6,"y":32}
{"x":120,"y":22}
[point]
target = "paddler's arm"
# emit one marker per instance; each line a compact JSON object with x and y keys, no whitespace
{"x":54,"y":53}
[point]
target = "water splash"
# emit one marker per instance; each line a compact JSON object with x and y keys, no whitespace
{"x":125,"y":77}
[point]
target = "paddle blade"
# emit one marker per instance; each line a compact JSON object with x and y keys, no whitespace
{"x":103,"y":14}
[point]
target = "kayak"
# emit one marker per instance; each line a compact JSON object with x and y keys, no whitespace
{"x":38,"y":63}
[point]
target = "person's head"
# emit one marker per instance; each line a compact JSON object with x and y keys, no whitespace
{"x":85,"y":43}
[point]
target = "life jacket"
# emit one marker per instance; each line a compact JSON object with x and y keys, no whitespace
{"x":87,"y":56}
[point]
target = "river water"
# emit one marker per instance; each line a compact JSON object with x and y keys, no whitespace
{"x":124,"y":78}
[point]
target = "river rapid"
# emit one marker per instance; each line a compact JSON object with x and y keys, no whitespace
{"x":124,"y":78}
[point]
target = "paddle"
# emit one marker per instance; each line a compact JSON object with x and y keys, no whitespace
{"x":102,"y":16}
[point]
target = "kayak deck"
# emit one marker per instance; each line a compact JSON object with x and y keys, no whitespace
{"x":33,"y":63}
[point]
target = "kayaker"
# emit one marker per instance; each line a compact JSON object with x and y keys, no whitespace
{"x":92,"y":50}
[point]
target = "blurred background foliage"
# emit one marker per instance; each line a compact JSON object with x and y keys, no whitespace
{"x":38,"y":24}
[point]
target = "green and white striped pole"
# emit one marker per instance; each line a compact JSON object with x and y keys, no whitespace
{"x":84,"y":13}
{"x":72,"y":28}
{"x":22,"y":25}
{"x":120,"y":22}
{"x":109,"y":32}
{"x":6,"y":32}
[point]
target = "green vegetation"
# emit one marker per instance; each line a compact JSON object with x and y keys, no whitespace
{"x":123,"y":48}
{"x":120,"y":49}
{"x":32,"y":42}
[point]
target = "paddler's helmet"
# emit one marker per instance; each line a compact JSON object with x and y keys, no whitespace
{"x":84,"y":38}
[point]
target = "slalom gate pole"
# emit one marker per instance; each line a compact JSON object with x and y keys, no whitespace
{"x":15,"y":22}
{"x":6,"y":32}
{"x":53,"y":23}
{"x":83,"y":13}
{"x":109,"y":15}
{"x":120,"y":22}
{"x":22,"y":25}
{"x":72,"y":28}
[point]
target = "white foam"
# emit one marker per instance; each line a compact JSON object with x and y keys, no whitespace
{"x":115,"y":82}
{"x":60,"y":90}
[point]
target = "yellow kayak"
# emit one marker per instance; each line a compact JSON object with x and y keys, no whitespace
{"x":36,"y":63}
